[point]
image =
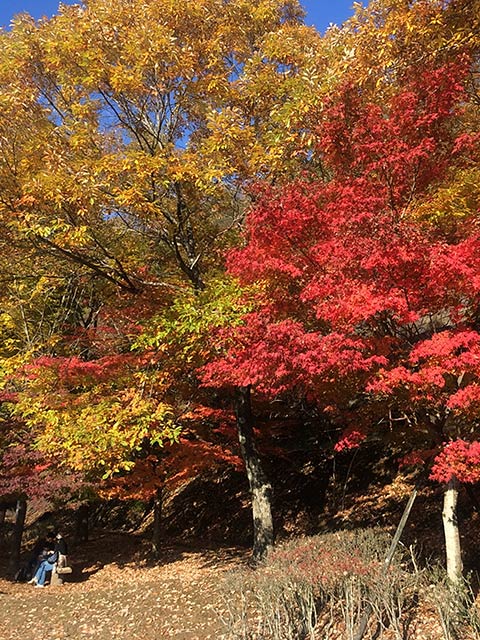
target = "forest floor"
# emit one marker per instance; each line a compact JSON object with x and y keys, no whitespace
{"x":116,"y":592}
{"x":123,"y":595}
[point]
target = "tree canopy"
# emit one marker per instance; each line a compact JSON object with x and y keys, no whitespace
{"x":198,"y":197}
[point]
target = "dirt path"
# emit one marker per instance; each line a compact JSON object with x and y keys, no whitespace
{"x":124,"y":597}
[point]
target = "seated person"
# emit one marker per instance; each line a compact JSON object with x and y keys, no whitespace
{"x":61,"y":549}
{"x":40,"y":551}
{"x":57,"y":555}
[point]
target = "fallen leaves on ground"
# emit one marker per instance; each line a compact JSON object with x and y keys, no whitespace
{"x":123,"y":599}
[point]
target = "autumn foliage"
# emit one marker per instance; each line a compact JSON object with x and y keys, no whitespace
{"x":369,"y":291}
{"x":212,"y":196}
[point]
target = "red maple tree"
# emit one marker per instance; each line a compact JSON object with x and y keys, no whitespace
{"x":364,"y":297}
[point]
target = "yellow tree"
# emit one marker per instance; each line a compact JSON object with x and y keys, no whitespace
{"x":142,"y":118}
{"x":386,"y":39}
{"x":128,"y":130}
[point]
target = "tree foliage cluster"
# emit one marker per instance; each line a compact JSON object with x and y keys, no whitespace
{"x":205,"y":203}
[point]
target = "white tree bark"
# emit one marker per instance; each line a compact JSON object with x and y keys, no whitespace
{"x":452,"y":535}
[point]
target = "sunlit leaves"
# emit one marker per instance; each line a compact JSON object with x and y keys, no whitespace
{"x":131,"y":135}
{"x":371,"y":272}
{"x":386,"y":39}
{"x":144,"y":118}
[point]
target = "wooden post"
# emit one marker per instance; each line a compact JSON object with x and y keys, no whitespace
{"x":387,"y":561}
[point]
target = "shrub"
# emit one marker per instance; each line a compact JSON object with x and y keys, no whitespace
{"x":321,"y":584}
{"x":454,"y":603}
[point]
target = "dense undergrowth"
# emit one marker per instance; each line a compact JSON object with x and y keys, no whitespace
{"x":327,"y":586}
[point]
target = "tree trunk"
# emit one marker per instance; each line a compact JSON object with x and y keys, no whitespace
{"x":450,"y":528}
{"x":81,"y":523}
{"x":260,"y":487}
{"x":157,"y":521}
{"x":3,"y":513}
{"x":20,"y":513}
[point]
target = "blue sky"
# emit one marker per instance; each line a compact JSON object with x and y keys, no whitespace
{"x":319,"y":12}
